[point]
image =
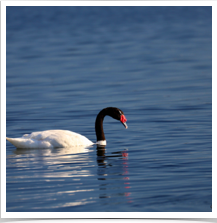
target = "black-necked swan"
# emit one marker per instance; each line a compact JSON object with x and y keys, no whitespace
{"x":65,"y":138}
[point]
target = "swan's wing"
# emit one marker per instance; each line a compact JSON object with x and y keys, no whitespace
{"x":59,"y":138}
{"x":50,"y":139}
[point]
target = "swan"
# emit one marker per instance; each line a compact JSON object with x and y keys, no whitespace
{"x":65,"y":138}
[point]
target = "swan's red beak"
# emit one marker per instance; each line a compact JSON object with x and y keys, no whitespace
{"x":123,"y":121}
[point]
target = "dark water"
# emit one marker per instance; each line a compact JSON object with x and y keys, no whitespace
{"x":64,"y":64}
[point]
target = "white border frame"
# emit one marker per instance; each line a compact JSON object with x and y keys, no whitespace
{"x":84,"y":215}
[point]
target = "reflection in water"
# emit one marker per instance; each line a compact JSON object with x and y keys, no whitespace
{"x":61,"y":162}
{"x":109,"y":169}
{"x":55,"y":151}
{"x":66,"y":172}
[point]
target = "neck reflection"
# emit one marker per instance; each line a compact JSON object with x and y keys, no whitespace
{"x":113,"y":173}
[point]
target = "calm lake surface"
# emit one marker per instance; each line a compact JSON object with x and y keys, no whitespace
{"x":65,"y":64}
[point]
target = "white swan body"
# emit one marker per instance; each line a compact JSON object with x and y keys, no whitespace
{"x":64,"y":138}
{"x":50,"y":139}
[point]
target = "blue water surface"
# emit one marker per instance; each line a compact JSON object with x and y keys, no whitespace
{"x":65,"y":64}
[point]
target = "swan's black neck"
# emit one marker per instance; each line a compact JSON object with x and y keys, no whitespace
{"x":99,"y":122}
{"x":99,"y":125}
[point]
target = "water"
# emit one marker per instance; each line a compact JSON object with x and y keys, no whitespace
{"x":65,"y":64}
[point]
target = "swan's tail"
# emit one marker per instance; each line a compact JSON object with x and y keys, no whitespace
{"x":13,"y":141}
{"x":10,"y":140}
{"x":26,"y":143}
{"x":18,"y":142}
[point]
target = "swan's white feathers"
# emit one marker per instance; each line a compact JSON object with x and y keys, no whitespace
{"x":50,"y":139}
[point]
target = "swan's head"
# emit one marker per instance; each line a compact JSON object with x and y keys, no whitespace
{"x":113,"y":112}
{"x":119,"y":115}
